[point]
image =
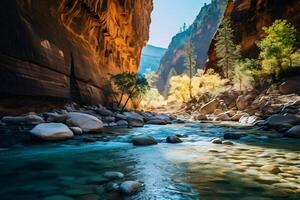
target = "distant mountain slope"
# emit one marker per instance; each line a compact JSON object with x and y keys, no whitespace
{"x":200,"y":32}
{"x":151,"y":56}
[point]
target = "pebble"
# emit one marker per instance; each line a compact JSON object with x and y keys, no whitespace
{"x":130,"y":187}
{"x":113,"y":175}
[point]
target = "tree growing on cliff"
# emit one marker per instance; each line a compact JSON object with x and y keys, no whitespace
{"x":130,"y":85}
{"x":227,"y":52}
{"x":278,"y":48}
{"x":190,"y":64}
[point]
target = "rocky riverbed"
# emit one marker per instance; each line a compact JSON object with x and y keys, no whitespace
{"x":258,"y":165}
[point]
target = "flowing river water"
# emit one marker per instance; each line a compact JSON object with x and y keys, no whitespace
{"x":194,"y":169}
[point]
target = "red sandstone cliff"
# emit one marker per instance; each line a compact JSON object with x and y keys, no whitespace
{"x":66,"y":49}
{"x":248,"y":17}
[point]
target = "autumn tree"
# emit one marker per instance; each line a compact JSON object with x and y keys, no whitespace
{"x":227,"y":52}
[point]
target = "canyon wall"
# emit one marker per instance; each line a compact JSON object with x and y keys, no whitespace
{"x":62,"y":50}
{"x":200,"y":33}
{"x":248,"y":18}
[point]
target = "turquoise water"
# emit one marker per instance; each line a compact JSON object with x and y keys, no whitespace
{"x":194,"y":169}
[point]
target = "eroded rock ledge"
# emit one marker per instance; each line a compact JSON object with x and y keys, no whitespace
{"x":64,"y":50}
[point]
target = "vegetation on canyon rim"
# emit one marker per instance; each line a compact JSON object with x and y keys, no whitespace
{"x":277,"y":58}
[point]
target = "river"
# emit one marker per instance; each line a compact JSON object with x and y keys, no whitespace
{"x":194,"y":169}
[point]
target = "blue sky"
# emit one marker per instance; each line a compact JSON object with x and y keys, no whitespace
{"x":169,"y":15}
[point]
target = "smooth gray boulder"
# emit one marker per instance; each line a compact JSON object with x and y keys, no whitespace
{"x":123,"y":123}
{"x":276,"y":121}
{"x":143,"y":140}
{"x":173,"y":139}
{"x":87,"y":123}
{"x":52,"y":131}
{"x":134,"y":119}
{"x":293,"y":132}
{"x":30,"y":119}
{"x":130,"y":187}
{"x":76,"y":130}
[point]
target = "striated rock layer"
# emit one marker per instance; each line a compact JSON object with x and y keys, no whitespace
{"x":248,"y":18}
{"x":65,"y":49}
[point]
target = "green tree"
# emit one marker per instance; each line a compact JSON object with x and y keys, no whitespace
{"x":131,"y":85}
{"x":190,"y":64}
{"x":277,"y":48}
{"x":227,"y":52}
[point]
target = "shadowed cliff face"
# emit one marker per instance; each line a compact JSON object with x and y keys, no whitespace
{"x":200,"y":32}
{"x":248,"y":17}
{"x":66,"y":49}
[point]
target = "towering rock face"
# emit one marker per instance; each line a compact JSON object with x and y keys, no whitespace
{"x":150,"y":59}
{"x":66,"y":49}
{"x":200,"y":32}
{"x":248,"y":17}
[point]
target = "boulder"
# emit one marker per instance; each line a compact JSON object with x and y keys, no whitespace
{"x":276,"y":121}
{"x":210,"y":107}
{"x":113,"y":175}
{"x":230,"y":113}
{"x":245,"y":119}
{"x":242,"y":102}
{"x":157,"y":122}
{"x":76,"y":130}
{"x":216,"y":141}
{"x":218,"y":111}
{"x":201,"y":117}
{"x":271,"y":169}
{"x":134,"y":119}
{"x":52,"y":131}
{"x":55,"y":117}
{"x":222,"y":117}
{"x":121,"y":117}
{"x":122,"y":123}
{"x":293,"y":132}
{"x":87,"y":123}
{"x":130,"y":187}
{"x":173,"y":139}
{"x":30,"y":119}
{"x":238,"y":116}
{"x":290,"y":86}
{"x":108,"y":119}
{"x":104,"y":111}
{"x":226,"y":142}
{"x":143,"y":140}
{"x":161,"y":117}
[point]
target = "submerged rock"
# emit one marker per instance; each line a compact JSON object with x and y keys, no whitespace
{"x":143,"y":140}
{"x":216,"y":141}
{"x":271,"y":169}
{"x":226,"y":142}
{"x":87,"y":123}
{"x":130,"y":187}
{"x":30,"y":119}
{"x":52,"y":131}
{"x":293,"y":132}
{"x":113,"y":175}
{"x":173,"y":139}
